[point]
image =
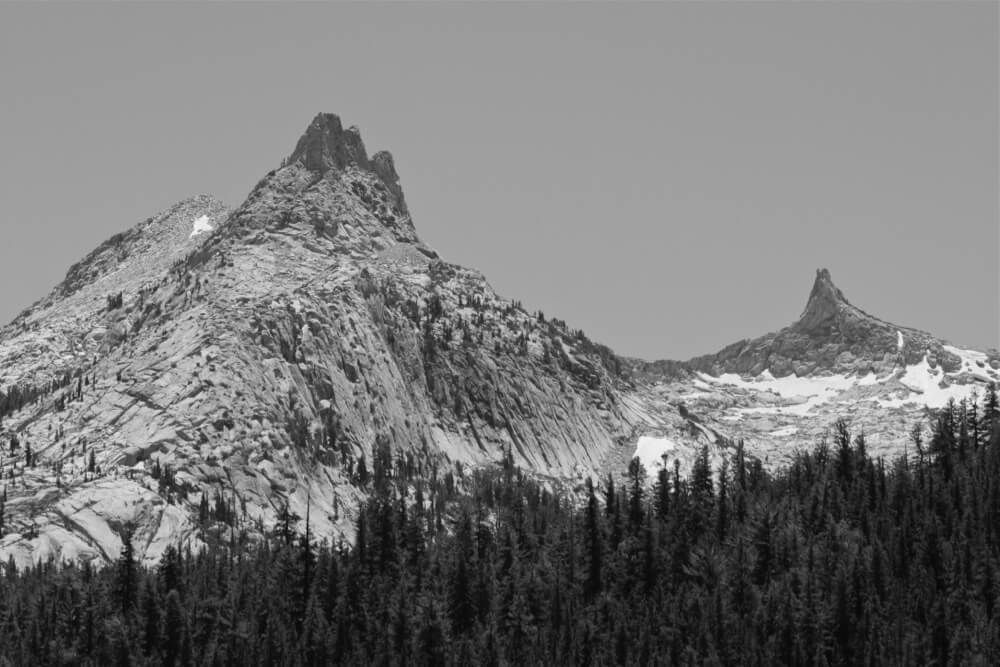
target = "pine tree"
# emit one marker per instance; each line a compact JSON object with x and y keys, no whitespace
{"x":722,"y":512}
{"x":305,"y":565}
{"x":637,"y":483}
{"x":842,"y":439}
{"x":661,"y":492}
{"x":592,"y":545}
{"x":699,"y":518}
{"x":431,"y":639}
{"x":175,"y":625}
{"x":151,"y":613}
{"x":287,"y":520}
{"x":169,"y":570}
{"x":991,"y":411}
{"x":461,"y":612}
{"x":315,"y":632}
{"x":610,"y":500}
{"x":127,"y":575}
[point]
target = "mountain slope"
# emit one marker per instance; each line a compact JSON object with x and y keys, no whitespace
{"x":306,"y":333}
{"x":785,"y":390}
{"x":67,"y":328}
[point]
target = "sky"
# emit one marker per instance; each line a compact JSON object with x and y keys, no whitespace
{"x":665,"y":176}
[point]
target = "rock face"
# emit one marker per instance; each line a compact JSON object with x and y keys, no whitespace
{"x":265,"y":359}
{"x":211,"y":368}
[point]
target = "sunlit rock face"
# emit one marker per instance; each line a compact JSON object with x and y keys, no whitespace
{"x":261,"y":354}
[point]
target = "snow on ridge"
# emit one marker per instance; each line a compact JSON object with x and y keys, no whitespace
{"x":200,"y":226}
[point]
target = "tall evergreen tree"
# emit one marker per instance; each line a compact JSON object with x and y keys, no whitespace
{"x":592,"y":546}
{"x":127,"y":575}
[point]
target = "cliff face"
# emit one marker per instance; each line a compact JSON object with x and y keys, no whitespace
{"x":263,"y":355}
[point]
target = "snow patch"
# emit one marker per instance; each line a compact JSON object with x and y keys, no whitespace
{"x":808,"y":392}
{"x":973,"y":362}
{"x":899,"y":340}
{"x":200,"y":226}
{"x":650,"y":450}
{"x":792,"y":386}
{"x":812,"y":390}
{"x":868,"y":380}
{"x":925,"y":384}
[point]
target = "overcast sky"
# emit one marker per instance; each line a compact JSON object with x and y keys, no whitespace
{"x":667,"y":177}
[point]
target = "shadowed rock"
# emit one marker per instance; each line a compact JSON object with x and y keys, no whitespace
{"x":327,"y":145}
{"x":826,"y":302}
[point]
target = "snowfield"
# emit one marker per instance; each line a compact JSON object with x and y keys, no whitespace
{"x":811,"y":391}
{"x":927,"y":386}
{"x":792,"y":386}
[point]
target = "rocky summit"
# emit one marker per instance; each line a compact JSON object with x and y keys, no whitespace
{"x":831,"y":335}
{"x":215,"y":367}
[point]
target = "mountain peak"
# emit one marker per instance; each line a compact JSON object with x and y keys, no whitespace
{"x":825,"y":302}
{"x":327,"y":145}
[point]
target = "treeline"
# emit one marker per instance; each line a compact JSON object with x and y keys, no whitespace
{"x":840,"y":559}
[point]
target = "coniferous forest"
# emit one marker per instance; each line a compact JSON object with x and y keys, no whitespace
{"x":837,"y":559}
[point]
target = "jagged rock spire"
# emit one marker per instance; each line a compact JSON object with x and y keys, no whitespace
{"x":326,"y":145}
{"x":826,"y":301}
{"x":385,"y":168}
